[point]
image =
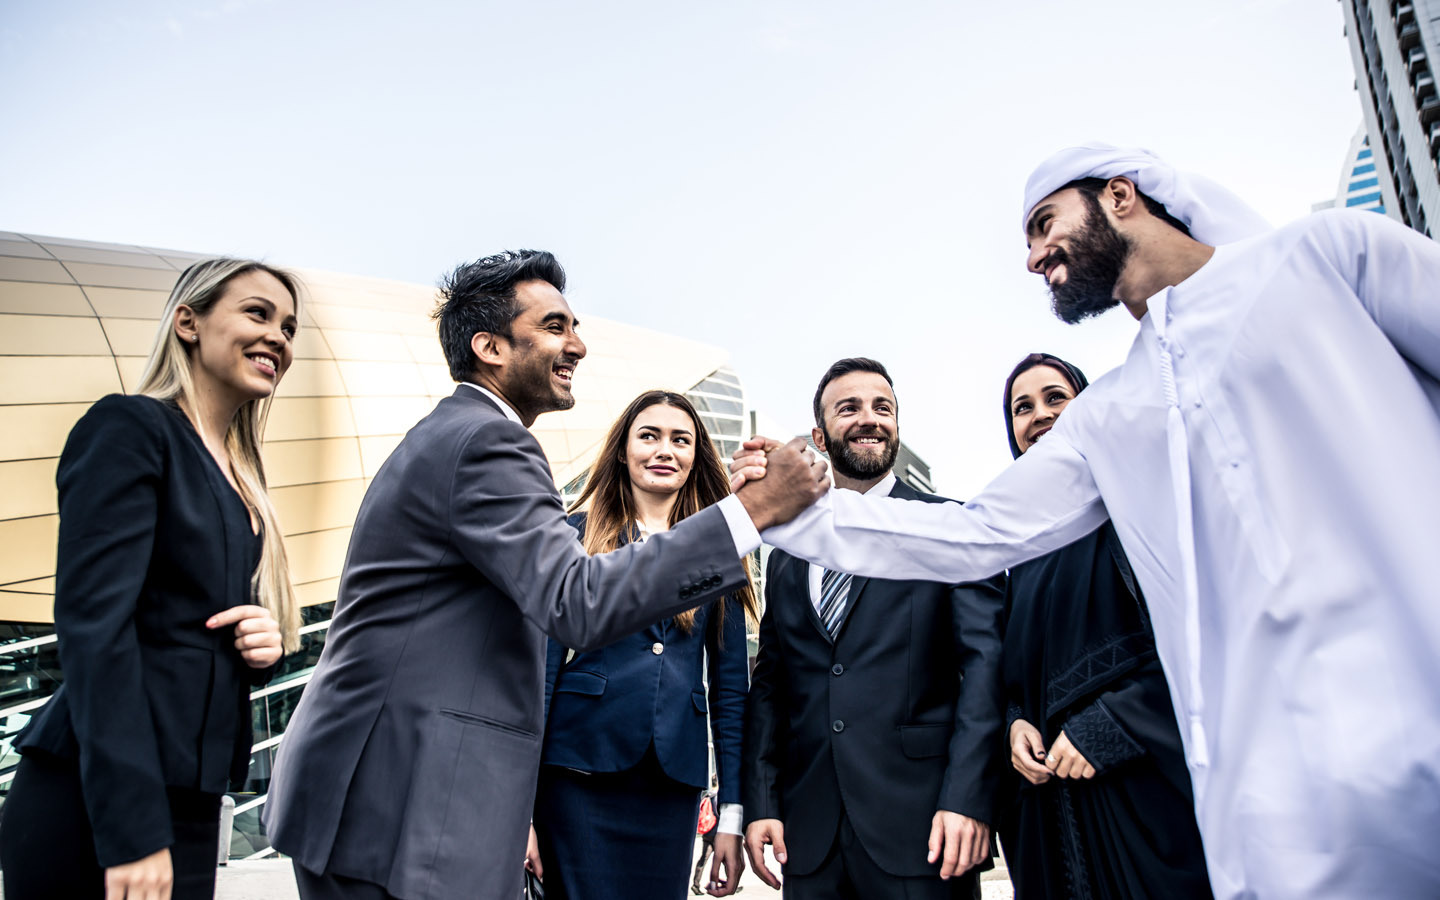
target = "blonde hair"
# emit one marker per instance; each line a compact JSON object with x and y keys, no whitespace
{"x":167,"y":377}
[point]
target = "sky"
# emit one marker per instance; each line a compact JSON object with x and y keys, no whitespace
{"x":792,"y":181}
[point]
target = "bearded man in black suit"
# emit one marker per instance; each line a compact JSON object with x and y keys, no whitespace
{"x":874,"y":717}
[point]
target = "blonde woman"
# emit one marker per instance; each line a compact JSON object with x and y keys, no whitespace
{"x":172,"y":599}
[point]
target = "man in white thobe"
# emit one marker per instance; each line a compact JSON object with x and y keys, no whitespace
{"x":1269,"y":453}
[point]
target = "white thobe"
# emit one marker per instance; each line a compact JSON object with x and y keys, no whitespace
{"x":1287,"y":394}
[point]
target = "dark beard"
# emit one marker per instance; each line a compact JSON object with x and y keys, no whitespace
{"x":858,"y":468}
{"x":530,"y":389}
{"x":1099,"y":256}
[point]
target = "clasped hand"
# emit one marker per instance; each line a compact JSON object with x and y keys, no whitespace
{"x":777,"y":482}
{"x":1030,"y":759}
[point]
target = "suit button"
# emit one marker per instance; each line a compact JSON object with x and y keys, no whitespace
{"x":837,"y":669}
{"x":837,"y":726}
{"x":685,"y":593}
{"x":657,"y":648}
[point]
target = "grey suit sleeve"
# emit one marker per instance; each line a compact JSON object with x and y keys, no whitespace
{"x":507,"y":521}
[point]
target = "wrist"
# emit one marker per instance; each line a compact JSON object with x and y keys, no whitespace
{"x":754,"y":509}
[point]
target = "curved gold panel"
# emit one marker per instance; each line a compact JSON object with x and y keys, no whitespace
{"x":77,"y":319}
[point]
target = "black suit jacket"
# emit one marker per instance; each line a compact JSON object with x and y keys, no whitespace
{"x":153,"y":541}
{"x":898,"y":717}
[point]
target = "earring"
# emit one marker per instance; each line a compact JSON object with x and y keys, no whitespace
{"x":194,"y":338}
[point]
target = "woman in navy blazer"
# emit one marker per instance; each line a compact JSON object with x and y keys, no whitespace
{"x":172,"y":599}
{"x":624,"y":760}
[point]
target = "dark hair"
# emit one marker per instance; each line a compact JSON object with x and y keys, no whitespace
{"x":610,"y":502}
{"x":480,"y":296}
{"x":845,"y":367}
{"x":1072,"y":374}
{"x":1091,"y":188}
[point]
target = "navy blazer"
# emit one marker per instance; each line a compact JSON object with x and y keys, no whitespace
{"x":153,"y":541}
{"x":607,"y":705}
{"x":897,"y":717}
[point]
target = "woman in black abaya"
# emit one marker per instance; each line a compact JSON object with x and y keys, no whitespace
{"x":1105,"y":806}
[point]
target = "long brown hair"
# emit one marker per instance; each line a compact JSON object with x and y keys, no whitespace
{"x":610,"y":503}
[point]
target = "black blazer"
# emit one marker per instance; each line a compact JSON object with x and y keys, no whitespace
{"x":153,"y":541}
{"x":899,"y":717}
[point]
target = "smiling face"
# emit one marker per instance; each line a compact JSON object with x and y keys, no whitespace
{"x":1078,"y":251}
{"x":541,"y":351}
{"x":660,"y":450}
{"x":1036,"y":398}
{"x":243,"y":345}
{"x":862,"y":429}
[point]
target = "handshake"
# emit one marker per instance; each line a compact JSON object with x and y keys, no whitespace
{"x":776,"y":482}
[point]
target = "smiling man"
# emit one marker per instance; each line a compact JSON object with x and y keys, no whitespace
{"x":1280,"y":526}
{"x":409,"y":767}
{"x":875,"y":711}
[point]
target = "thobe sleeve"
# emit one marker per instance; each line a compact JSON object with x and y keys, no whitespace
{"x":1395,"y":272}
{"x":1041,"y":502}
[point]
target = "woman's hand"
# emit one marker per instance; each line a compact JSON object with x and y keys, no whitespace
{"x":532,"y":856}
{"x":1064,"y":760}
{"x":147,"y":878}
{"x":1027,"y":752}
{"x":257,"y":634}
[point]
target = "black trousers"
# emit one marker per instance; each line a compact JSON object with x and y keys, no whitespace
{"x":848,"y":873}
{"x":47,"y":849}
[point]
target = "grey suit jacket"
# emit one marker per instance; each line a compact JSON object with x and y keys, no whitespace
{"x":411,"y":759}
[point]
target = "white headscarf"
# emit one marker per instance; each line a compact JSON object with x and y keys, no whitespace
{"x":1213,"y":214}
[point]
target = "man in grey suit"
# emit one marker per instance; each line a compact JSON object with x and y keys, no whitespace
{"x":409,"y":767}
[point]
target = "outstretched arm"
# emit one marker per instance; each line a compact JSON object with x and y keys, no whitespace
{"x":1041,"y":502}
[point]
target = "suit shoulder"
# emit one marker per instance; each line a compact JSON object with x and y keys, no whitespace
{"x":127,"y":418}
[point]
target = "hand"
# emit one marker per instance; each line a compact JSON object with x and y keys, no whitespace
{"x":1027,"y":752}
{"x":147,"y":878}
{"x":1064,"y":760}
{"x":257,"y":634}
{"x":962,"y":841}
{"x":796,"y":479}
{"x":728,"y":852}
{"x":749,"y":464}
{"x":532,"y":856}
{"x":757,"y":835}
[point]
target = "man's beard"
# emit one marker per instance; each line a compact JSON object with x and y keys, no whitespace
{"x":531,"y":389}
{"x":1099,"y":256}
{"x":856,"y":466}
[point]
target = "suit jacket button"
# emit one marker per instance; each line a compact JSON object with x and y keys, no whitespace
{"x":837,"y":726}
{"x":714,"y":580}
{"x":657,"y":648}
{"x":837,"y":669}
{"x":685,"y":593}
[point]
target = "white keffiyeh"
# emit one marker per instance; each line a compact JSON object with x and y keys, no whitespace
{"x":1212,"y":213}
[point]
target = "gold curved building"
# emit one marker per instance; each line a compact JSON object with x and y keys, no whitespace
{"x":77,"y":319}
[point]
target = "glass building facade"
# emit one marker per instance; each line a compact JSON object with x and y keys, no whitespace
{"x":1393,"y":45}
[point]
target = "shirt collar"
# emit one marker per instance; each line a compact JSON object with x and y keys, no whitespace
{"x":884,"y":486}
{"x":505,"y":408}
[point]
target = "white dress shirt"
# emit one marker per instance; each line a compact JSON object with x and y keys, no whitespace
{"x":1269,"y":453}
{"x":816,"y":574}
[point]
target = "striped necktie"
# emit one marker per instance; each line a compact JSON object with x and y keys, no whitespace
{"x":834,"y":590}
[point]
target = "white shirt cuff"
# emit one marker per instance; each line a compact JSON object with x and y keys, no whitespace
{"x":742,"y":530}
{"x":732,"y":816}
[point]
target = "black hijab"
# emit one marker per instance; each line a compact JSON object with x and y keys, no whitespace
{"x":1071,"y":373}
